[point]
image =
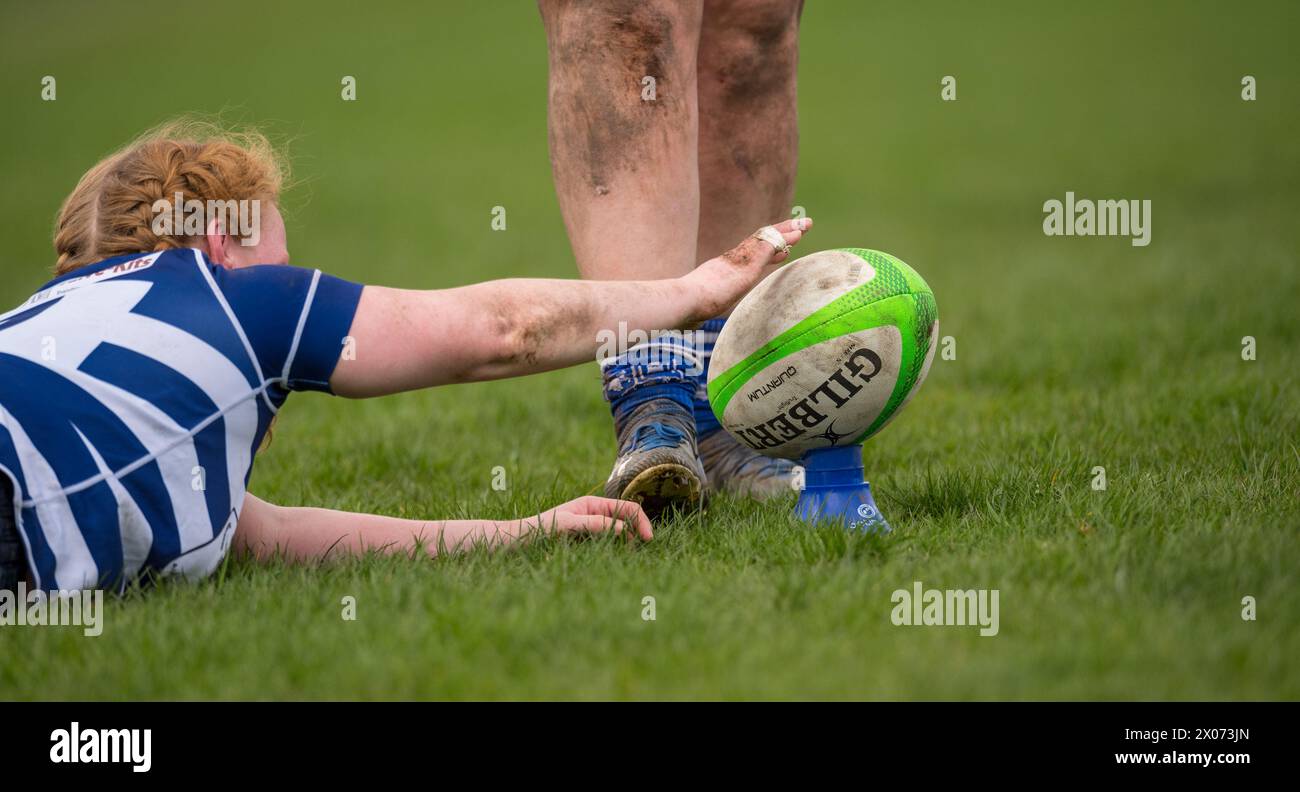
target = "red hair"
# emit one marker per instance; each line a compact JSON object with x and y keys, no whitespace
{"x":111,"y":211}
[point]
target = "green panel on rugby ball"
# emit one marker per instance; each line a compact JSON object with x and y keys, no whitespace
{"x":824,"y":352}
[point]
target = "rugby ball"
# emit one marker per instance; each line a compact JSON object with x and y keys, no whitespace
{"x":823,"y":353}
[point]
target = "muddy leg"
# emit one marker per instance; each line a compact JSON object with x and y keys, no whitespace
{"x":622,"y":129}
{"x":748,"y":131}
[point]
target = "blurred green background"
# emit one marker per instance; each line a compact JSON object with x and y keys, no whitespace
{"x":1072,"y":352}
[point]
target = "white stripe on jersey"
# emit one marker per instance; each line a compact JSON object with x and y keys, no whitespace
{"x":166,"y":443}
{"x":239,"y":328}
{"x":135,"y":543}
{"x":297,"y":333}
{"x":74,"y":566}
{"x":80,"y":330}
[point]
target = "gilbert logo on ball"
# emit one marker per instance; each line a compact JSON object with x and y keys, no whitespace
{"x":823,"y":353}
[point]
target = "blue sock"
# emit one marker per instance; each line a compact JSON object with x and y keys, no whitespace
{"x":662,"y":368}
{"x":705,"y":337}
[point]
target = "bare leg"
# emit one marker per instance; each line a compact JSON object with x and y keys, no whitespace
{"x":624,"y":165}
{"x":748,"y":130}
{"x":748,"y":148}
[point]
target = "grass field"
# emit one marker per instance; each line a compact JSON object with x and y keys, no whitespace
{"x":1071,"y":353}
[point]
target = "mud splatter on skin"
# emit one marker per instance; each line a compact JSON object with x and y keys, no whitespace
{"x":755,"y":61}
{"x":741,"y":159}
{"x":742,"y":256}
{"x":748,"y":60}
{"x":534,"y":323}
{"x":600,"y":53}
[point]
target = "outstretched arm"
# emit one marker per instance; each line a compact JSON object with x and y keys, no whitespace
{"x":406,"y":339}
{"x":303,"y":533}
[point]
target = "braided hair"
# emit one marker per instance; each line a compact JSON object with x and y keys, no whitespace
{"x":112,"y":209}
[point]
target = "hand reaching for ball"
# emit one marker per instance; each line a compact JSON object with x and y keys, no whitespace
{"x":721,"y":282}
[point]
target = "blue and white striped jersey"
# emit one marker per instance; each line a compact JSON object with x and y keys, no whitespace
{"x":133,"y":396}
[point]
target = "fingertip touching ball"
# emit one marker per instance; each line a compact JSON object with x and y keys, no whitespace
{"x":824,"y":352}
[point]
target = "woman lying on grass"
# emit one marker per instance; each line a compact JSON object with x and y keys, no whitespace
{"x":137,"y":386}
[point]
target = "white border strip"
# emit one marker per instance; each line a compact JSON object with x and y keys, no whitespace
{"x":297,"y":334}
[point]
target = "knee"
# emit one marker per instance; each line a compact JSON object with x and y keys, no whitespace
{"x":751,"y":51}
{"x":640,"y":38}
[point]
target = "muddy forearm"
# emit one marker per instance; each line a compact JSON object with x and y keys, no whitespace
{"x":557,"y":323}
